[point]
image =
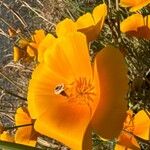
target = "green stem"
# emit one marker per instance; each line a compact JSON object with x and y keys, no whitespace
{"x":19,"y":126}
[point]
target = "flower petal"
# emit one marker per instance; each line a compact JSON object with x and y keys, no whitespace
{"x":32,"y":49}
{"x":127,"y":141}
{"x":67,"y":123}
{"x":132,"y":23}
{"x":91,"y":25}
{"x":23,"y":134}
{"x":142,"y":125}
{"x":64,"y":27}
{"x":71,"y":53}
{"x":111,"y":111}
{"x":22,"y":116}
{"x":38,"y":36}
{"x":48,"y":41}
{"x":99,"y":14}
{"x":61,"y":65}
{"x":128,"y":3}
{"x":140,"y":5}
{"x":134,"y":4}
{"x":85,"y":24}
{"x":5,"y":136}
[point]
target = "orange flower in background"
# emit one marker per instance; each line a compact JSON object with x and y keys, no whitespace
{"x":29,"y":49}
{"x":19,"y":51}
{"x":32,"y":48}
{"x":138,"y":125}
{"x":134,"y":4}
{"x":25,"y":134}
{"x":69,"y":97}
{"x":89,"y":24}
{"x":136,"y":25}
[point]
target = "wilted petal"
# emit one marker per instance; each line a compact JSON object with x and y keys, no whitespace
{"x":18,"y":53}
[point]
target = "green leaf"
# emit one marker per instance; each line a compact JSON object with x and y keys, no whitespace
{"x":14,"y":146}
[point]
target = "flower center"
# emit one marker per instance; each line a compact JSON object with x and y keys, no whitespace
{"x":81,"y":91}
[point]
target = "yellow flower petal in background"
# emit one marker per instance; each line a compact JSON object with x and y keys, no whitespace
{"x":111,"y":112}
{"x":26,"y":134}
{"x":91,"y":24}
{"x":134,"y":4}
{"x":32,"y":48}
{"x":6,"y":136}
{"x":136,"y":25}
{"x":19,"y":51}
{"x":38,"y":36}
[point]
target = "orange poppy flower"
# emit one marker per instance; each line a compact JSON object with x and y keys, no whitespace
{"x":136,"y":25}
{"x":25,"y":134}
{"x":134,"y":4}
{"x":69,"y":97}
{"x":138,"y":125}
{"x":89,"y":24}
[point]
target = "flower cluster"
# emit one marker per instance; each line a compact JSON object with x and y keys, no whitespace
{"x":69,"y":96}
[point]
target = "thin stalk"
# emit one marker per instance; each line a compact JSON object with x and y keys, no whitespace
{"x":19,"y":126}
{"x":12,"y":82}
{"x":13,"y":94}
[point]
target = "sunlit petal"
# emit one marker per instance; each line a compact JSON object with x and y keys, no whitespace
{"x":127,"y":141}
{"x":64,"y":27}
{"x":6,"y":136}
{"x":47,"y":42}
{"x":142,"y":125}
{"x":134,"y":4}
